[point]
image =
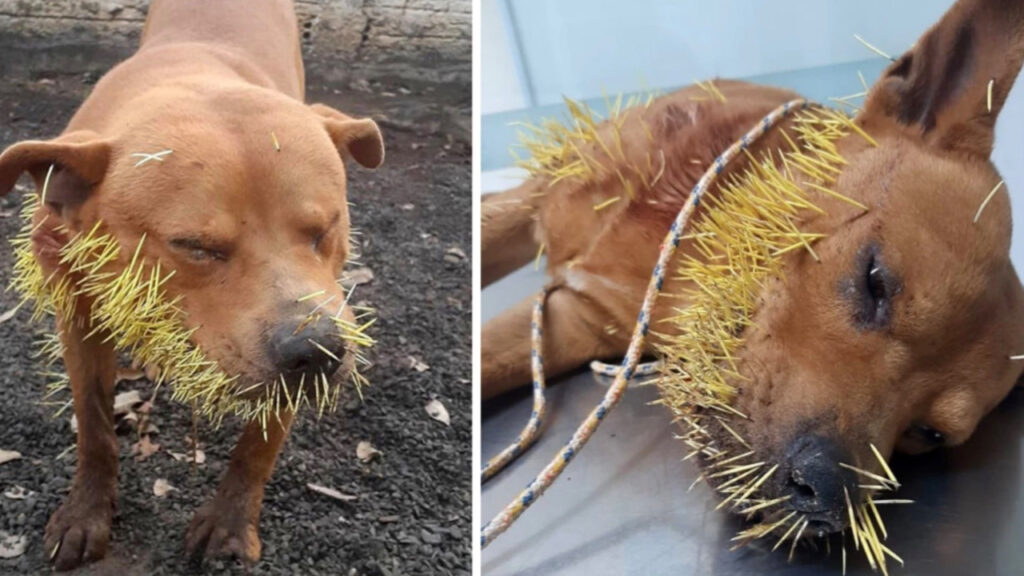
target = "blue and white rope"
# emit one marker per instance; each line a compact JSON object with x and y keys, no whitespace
{"x":536,"y":488}
{"x":642,"y":369}
{"x":531,"y":431}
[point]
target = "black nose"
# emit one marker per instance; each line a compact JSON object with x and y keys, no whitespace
{"x":307,"y":347}
{"x":815,"y":482}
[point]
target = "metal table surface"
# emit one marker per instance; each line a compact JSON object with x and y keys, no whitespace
{"x":622,"y":506}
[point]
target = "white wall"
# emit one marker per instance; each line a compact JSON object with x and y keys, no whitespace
{"x":581,"y":48}
{"x":499,"y":54}
{"x":584,"y":48}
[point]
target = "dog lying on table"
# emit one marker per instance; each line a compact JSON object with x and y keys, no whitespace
{"x":194,"y":214}
{"x":845,"y":291}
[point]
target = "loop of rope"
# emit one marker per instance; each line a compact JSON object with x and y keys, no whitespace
{"x":642,"y":369}
{"x":531,"y":431}
{"x":536,"y":488}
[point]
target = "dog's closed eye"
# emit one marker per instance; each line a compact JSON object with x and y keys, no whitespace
{"x":197,"y":251}
{"x":319,"y":234}
{"x":874,"y":288}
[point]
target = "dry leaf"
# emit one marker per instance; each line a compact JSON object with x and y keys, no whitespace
{"x":8,"y":455}
{"x":12,"y":546}
{"x":17,"y":493}
{"x":9,"y":314}
{"x":331,"y":492}
{"x":454,"y":255}
{"x":200,"y":456}
{"x":129,"y":374}
{"x":418,"y":365}
{"x":124,"y":401}
{"x":438,"y":412}
{"x":129,"y":421}
{"x":161,"y":488}
{"x":356,"y":276}
{"x":365,"y":451}
{"x":144,"y":448}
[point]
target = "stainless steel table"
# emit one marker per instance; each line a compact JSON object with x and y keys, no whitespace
{"x":622,"y":506}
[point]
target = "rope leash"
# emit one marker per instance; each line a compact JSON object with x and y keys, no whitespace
{"x":642,"y":369}
{"x":628,"y":368}
{"x":531,"y":431}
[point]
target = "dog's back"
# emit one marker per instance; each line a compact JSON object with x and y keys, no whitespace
{"x":263,"y":32}
{"x":190,"y":48}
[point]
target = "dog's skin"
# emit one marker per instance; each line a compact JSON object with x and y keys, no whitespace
{"x":247,"y":227}
{"x":832,"y":364}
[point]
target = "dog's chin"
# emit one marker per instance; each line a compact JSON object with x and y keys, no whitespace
{"x":268,"y":385}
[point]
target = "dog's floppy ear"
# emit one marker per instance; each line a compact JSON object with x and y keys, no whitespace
{"x":951,"y":85}
{"x":79,"y":159}
{"x":359,"y":138}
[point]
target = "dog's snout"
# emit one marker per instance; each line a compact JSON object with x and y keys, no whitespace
{"x":307,"y":348}
{"x":815,"y":482}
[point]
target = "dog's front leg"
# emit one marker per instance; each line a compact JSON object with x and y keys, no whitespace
{"x":228,"y":525}
{"x":78,"y":532}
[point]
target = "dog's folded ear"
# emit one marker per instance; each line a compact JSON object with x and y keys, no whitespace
{"x":359,"y":138}
{"x":951,"y":85}
{"x":79,"y":159}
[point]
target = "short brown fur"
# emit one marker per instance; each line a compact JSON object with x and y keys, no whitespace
{"x":255,"y":177}
{"x":943,"y":358}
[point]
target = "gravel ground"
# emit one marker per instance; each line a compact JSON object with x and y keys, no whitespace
{"x":413,"y":509}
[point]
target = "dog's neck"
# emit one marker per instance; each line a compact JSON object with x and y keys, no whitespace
{"x":212,"y":44}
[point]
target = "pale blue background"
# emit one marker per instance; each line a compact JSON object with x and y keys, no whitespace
{"x":621,"y":507}
{"x":535,"y":51}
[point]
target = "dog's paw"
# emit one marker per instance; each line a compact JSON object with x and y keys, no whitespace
{"x":79,"y":531}
{"x":222,"y":531}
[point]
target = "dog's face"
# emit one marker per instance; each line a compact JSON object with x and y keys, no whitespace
{"x":248,"y":209}
{"x":901,"y":336}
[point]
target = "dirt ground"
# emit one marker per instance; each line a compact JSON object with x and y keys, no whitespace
{"x":412,"y":512}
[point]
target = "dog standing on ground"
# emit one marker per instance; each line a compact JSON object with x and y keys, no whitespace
{"x":901,"y":336}
{"x":248,"y":208}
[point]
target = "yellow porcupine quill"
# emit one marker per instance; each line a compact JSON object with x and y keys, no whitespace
{"x":746,"y":225}
{"x":132,"y":308}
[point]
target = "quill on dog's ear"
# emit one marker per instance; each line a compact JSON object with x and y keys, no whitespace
{"x":80,"y":160}
{"x":358,"y":138}
{"x":949,"y":88}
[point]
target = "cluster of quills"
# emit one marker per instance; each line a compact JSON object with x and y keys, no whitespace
{"x":131,"y":309}
{"x":745,"y":227}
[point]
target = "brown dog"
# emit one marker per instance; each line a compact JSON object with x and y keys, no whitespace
{"x":902,"y":334}
{"x":249,"y":209}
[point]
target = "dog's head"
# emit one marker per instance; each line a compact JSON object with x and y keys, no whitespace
{"x":901,"y":333}
{"x":241,"y":193}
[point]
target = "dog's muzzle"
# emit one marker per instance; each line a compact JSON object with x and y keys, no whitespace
{"x":816,"y":484}
{"x":307,"y":348}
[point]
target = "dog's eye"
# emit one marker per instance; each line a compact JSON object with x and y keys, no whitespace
{"x":318,"y":240}
{"x":196,"y":251}
{"x":876,"y":282}
{"x":926,"y":435}
{"x":875,"y":288}
{"x":321,"y":234}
